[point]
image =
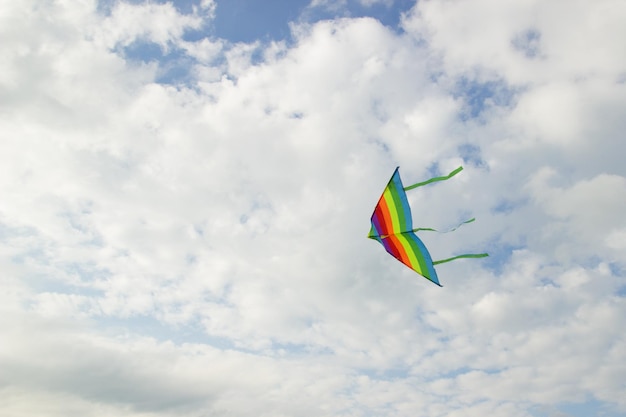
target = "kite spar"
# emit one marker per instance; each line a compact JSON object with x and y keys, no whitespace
{"x":392,"y":226}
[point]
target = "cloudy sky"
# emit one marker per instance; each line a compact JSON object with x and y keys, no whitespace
{"x":186,"y":189}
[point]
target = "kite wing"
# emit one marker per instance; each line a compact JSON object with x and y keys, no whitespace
{"x":392,"y":226}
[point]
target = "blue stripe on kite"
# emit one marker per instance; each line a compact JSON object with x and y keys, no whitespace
{"x":430,"y":272}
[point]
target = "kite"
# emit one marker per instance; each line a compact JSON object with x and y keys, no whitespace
{"x":392,"y":226}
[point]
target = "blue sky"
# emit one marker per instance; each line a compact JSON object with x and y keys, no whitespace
{"x":187,"y":189}
{"x":269,"y":21}
{"x":248,"y":21}
{"x":245,"y":21}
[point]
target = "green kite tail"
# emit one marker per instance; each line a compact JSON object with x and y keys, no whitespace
{"x":429,"y":229}
{"x":444,"y":178}
{"x":467,"y":255}
{"x":447,"y":177}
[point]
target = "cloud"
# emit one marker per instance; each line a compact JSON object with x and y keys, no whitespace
{"x":328,"y":5}
{"x":196,"y":246}
{"x":370,"y":3}
{"x":158,"y":23}
{"x":590,"y":209}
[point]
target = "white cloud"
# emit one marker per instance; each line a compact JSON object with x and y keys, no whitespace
{"x":200,"y":249}
{"x":370,"y":3}
{"x":575,"y":40}
{"x":329,"y":5}
{"x":589,"y":212}
{"x":158,"y":23}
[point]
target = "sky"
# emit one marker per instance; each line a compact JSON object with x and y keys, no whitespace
{"x":186,"y":191}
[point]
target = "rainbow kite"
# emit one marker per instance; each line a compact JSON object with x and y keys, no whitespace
{"x":392,"y":226}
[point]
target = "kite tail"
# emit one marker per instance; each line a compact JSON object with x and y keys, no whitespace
{"x":447,"y":177}
{"x":443,"y":178}
{"x":428,"y":229}
{"x":467,"y":255}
